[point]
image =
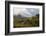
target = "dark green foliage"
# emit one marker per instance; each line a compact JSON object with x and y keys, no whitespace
{"x":37,"y":15}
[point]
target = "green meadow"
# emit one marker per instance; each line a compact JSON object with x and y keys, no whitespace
{"x":26,"y":22}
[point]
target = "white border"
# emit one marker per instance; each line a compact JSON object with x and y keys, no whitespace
{"x":28,"y":28}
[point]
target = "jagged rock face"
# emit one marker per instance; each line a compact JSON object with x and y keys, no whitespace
{"x":25,"y":12}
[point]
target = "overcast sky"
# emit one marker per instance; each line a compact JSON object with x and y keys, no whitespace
{"x":25,"y":11}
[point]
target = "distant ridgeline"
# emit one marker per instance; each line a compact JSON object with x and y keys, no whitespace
{"x":19,"y":16}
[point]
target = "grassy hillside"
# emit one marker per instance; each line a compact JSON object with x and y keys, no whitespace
{"x":26,"y":22}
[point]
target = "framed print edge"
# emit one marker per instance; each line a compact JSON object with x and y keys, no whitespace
{"x":7,"y":18}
